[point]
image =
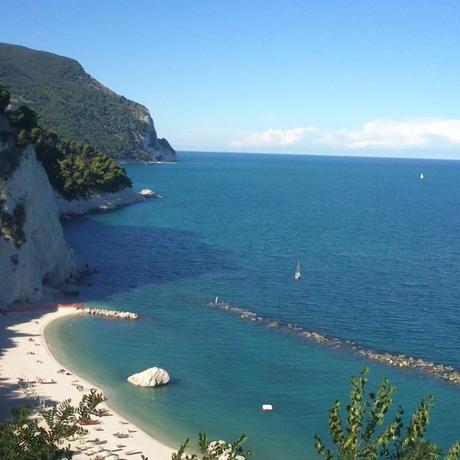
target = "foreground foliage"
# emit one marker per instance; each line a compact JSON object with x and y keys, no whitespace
{"x":88,"y":404}
{"x":215,"y":450}
{"x":363,"y":435}
{"x":44,"y":434}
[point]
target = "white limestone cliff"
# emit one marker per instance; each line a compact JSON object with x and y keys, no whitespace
{"x":97,"y":202}
{"x":150,"y":377}
{"x":45,"y":258}
{"x":159,"y":148}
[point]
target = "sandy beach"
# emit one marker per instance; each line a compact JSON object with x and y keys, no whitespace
{"x":25,"y":354}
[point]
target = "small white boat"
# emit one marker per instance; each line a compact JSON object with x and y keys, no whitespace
{"x":267,"y":407}
{"x":216,"y":300}
{"x":422,"y":176}
{"x":297,"y":273}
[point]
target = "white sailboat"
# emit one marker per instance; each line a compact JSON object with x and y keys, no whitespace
{"x":422,"y":176}
{"x":297,"y":273}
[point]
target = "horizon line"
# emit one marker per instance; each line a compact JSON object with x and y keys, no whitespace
{"x":381,"y":157}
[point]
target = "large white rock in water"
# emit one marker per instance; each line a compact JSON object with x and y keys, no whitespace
{"x":150,"y":377}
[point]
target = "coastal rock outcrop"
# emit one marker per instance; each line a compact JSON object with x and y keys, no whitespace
{"x":150,"y":377}
{"x":97,"y":202}
{"x":33,"y":250}
{"x":148,"y":193}
{"x":160,"y":149}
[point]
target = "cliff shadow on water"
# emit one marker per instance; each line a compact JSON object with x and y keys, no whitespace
{"x":128,"y":257}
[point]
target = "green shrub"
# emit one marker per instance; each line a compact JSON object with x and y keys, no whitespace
{"x":363,"y":435}
{"x":23,"y":118}
{"x":215,"y":450}
{"x":26,"y":438}
{"x":4,"y":99}
{"x":88,"y":403}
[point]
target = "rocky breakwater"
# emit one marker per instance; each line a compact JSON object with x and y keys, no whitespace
{"x":445,"y":372}
{"x":109,"y":313}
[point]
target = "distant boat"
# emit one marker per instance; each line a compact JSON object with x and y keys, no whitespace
{"x":216,"y":300}
{"x":297,"y":273}
{"x":422,"y":176}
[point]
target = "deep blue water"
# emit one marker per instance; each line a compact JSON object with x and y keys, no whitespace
{"x":380,"y":256}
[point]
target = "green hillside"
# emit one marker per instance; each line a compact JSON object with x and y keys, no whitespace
{"x":77,"y":107}
{"x":74,"y":170}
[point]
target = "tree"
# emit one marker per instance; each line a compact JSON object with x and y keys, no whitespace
{"x":4,"y":99}
{"x":88,"y":404}
{"x":362,"y":436}
{"x":26,"y":438}
{"x":24,"y":117}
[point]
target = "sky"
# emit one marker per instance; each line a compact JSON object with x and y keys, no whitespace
{"x":351,"y":77}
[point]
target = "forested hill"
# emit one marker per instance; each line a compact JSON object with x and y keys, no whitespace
{"x":76,"y":106}
{"x":74,"y":170}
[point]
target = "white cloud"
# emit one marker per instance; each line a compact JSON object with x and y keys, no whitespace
{"x":382,"y":136}
{"x":273,"y":137}
{"x":390,"y":134}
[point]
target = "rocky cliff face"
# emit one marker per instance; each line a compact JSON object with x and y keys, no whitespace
{"x":97,"y":202}
{"x":160,"y":149}
{"x":33,"y":251}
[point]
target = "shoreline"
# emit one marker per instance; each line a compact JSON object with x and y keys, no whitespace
{"x":26,"y":354}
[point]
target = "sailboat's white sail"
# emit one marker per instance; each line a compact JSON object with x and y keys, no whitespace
{"x":297,"y":273}
{"x":422,"y":176}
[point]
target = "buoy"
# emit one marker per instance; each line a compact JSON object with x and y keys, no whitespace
{"x":267,"y":407}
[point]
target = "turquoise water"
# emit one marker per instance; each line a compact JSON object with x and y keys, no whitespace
{"x":380,"y":258}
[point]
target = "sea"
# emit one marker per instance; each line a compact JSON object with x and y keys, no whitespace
{"x":379,"y":251}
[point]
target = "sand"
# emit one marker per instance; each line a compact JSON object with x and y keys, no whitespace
{"x":24,"y":353}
